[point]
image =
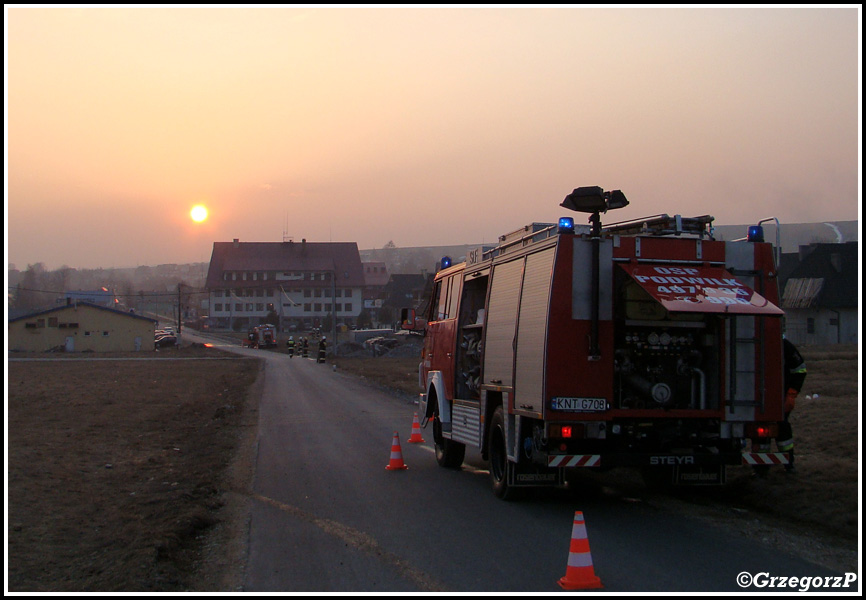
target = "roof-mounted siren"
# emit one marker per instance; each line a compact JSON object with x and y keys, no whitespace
{"x":594,"y":200}
{"x":444,"y":262}
{"x":756,"y":234}
{"x":566,"y":225}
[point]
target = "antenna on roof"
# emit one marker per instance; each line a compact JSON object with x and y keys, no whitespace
{"x":286,"y":236}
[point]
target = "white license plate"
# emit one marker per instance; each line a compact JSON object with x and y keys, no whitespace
{"x":579,"y":404}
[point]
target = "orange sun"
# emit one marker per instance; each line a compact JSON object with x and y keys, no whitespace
{"x":198,"y":213}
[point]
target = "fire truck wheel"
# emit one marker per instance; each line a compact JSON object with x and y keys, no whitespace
{"x":449,"y":454}
{"x":499,"y":464}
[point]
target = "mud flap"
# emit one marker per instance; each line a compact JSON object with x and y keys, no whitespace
{"x":532,"y":475}
{"x":699,"y":475}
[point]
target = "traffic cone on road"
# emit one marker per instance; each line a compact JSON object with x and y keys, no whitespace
{"x":396,"y":455}
{"x":416,"y":438}
{"x":580,"y":574}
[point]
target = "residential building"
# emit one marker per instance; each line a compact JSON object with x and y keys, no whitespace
{"x":81,"y":327}
{"x":375,"y":279}
{"x":300,"y":285}
{"x":820,"y":289}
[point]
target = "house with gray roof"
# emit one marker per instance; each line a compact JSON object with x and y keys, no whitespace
{"x":820,"y":294}
{"x":302,"y":283}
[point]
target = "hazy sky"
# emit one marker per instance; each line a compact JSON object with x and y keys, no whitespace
{"x":425,"y":126}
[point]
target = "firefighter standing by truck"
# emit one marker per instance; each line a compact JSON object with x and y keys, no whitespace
{"x":795,"y":375}
{"x":290,"y":344}
{"x":322,"y":350}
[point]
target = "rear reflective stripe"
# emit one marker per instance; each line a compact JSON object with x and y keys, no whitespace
{"x":765,"y":458}
{"x":574,"y":460}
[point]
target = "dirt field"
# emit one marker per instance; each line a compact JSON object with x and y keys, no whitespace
{"x":121,"y":474}
{"x":118,"y":471}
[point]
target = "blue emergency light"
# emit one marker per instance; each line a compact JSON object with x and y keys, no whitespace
{"x":756,"y":233}
{"x":445,"y":262}
{"x":566,"y":225}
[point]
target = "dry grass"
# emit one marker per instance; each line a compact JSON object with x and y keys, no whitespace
{"x":116,"y":469}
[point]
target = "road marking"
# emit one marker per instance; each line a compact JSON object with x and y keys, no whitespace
{"x":361,"y":541}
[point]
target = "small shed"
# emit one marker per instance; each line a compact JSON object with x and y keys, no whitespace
{"x":81,"y":327}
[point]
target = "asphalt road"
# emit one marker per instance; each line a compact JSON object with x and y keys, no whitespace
{"x":327,"y":516}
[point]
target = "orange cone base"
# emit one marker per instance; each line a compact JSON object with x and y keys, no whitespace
{"x":590,"y":582}
{"x":415,"y":438}
{"x":396,"y":467}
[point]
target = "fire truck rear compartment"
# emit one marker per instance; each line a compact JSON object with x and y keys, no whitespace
{"x":663,"y":360}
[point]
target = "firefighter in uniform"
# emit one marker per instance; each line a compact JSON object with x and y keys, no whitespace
{"x":795,"y":375}
{"x":305,"y":346}
{"x":290,"y":344}
{"x":322,"y":347}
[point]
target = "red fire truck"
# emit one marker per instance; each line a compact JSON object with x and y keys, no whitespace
{"x":644,"y":343}
{"x":262,"y":336}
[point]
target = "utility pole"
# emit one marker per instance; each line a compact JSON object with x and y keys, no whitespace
{"x":178,"y":309}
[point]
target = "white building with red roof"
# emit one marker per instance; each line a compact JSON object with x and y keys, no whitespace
{"x":303,"y":283}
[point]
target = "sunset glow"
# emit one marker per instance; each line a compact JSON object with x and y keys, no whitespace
{"x":421,"y":125}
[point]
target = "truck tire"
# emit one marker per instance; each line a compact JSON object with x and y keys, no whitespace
{"x":449,"y":454}
{"x":499,"y":465}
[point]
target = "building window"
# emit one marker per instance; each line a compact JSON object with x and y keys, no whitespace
{"x":338,"y":292}
{"x":318,"y":293}
{"x":270,"y":307}
{"x":218,"y":307}
{"x":104,"y":334}
{"x":249,"y":307}
{"x":307,"y":307}
{"x":347,"y":307}
{"x":239,"y":307}
{"x":52,"y":321}
{"x":260,"y":292}
{"x":260,"y":307}
{"x":307,"y":293}
{"x":317,"y":307}
{"x":338,"y":307}
{"x":313,"y":276}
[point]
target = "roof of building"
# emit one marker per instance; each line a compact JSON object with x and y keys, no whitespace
{"x":77,"y":304}
{"x":341,"y":258}
{"x":826,"y":277}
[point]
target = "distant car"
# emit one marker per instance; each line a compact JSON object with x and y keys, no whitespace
{"x":164,"y":341}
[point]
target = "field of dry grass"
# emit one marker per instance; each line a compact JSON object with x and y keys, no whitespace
{"x":117,"y":469}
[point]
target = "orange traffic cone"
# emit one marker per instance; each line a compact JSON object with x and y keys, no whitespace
{"x":579,"y":575}
{"x":396,"y":455}
{"x":416,"y":438}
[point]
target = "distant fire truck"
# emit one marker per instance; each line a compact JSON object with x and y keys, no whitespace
{"x":644,"y":343}
{"x":262,"y":336}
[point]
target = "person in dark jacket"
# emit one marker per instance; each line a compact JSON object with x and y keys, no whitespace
{"x":322,"y":350}
{"x":290,"y":344}
{"x":795,"y":376}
